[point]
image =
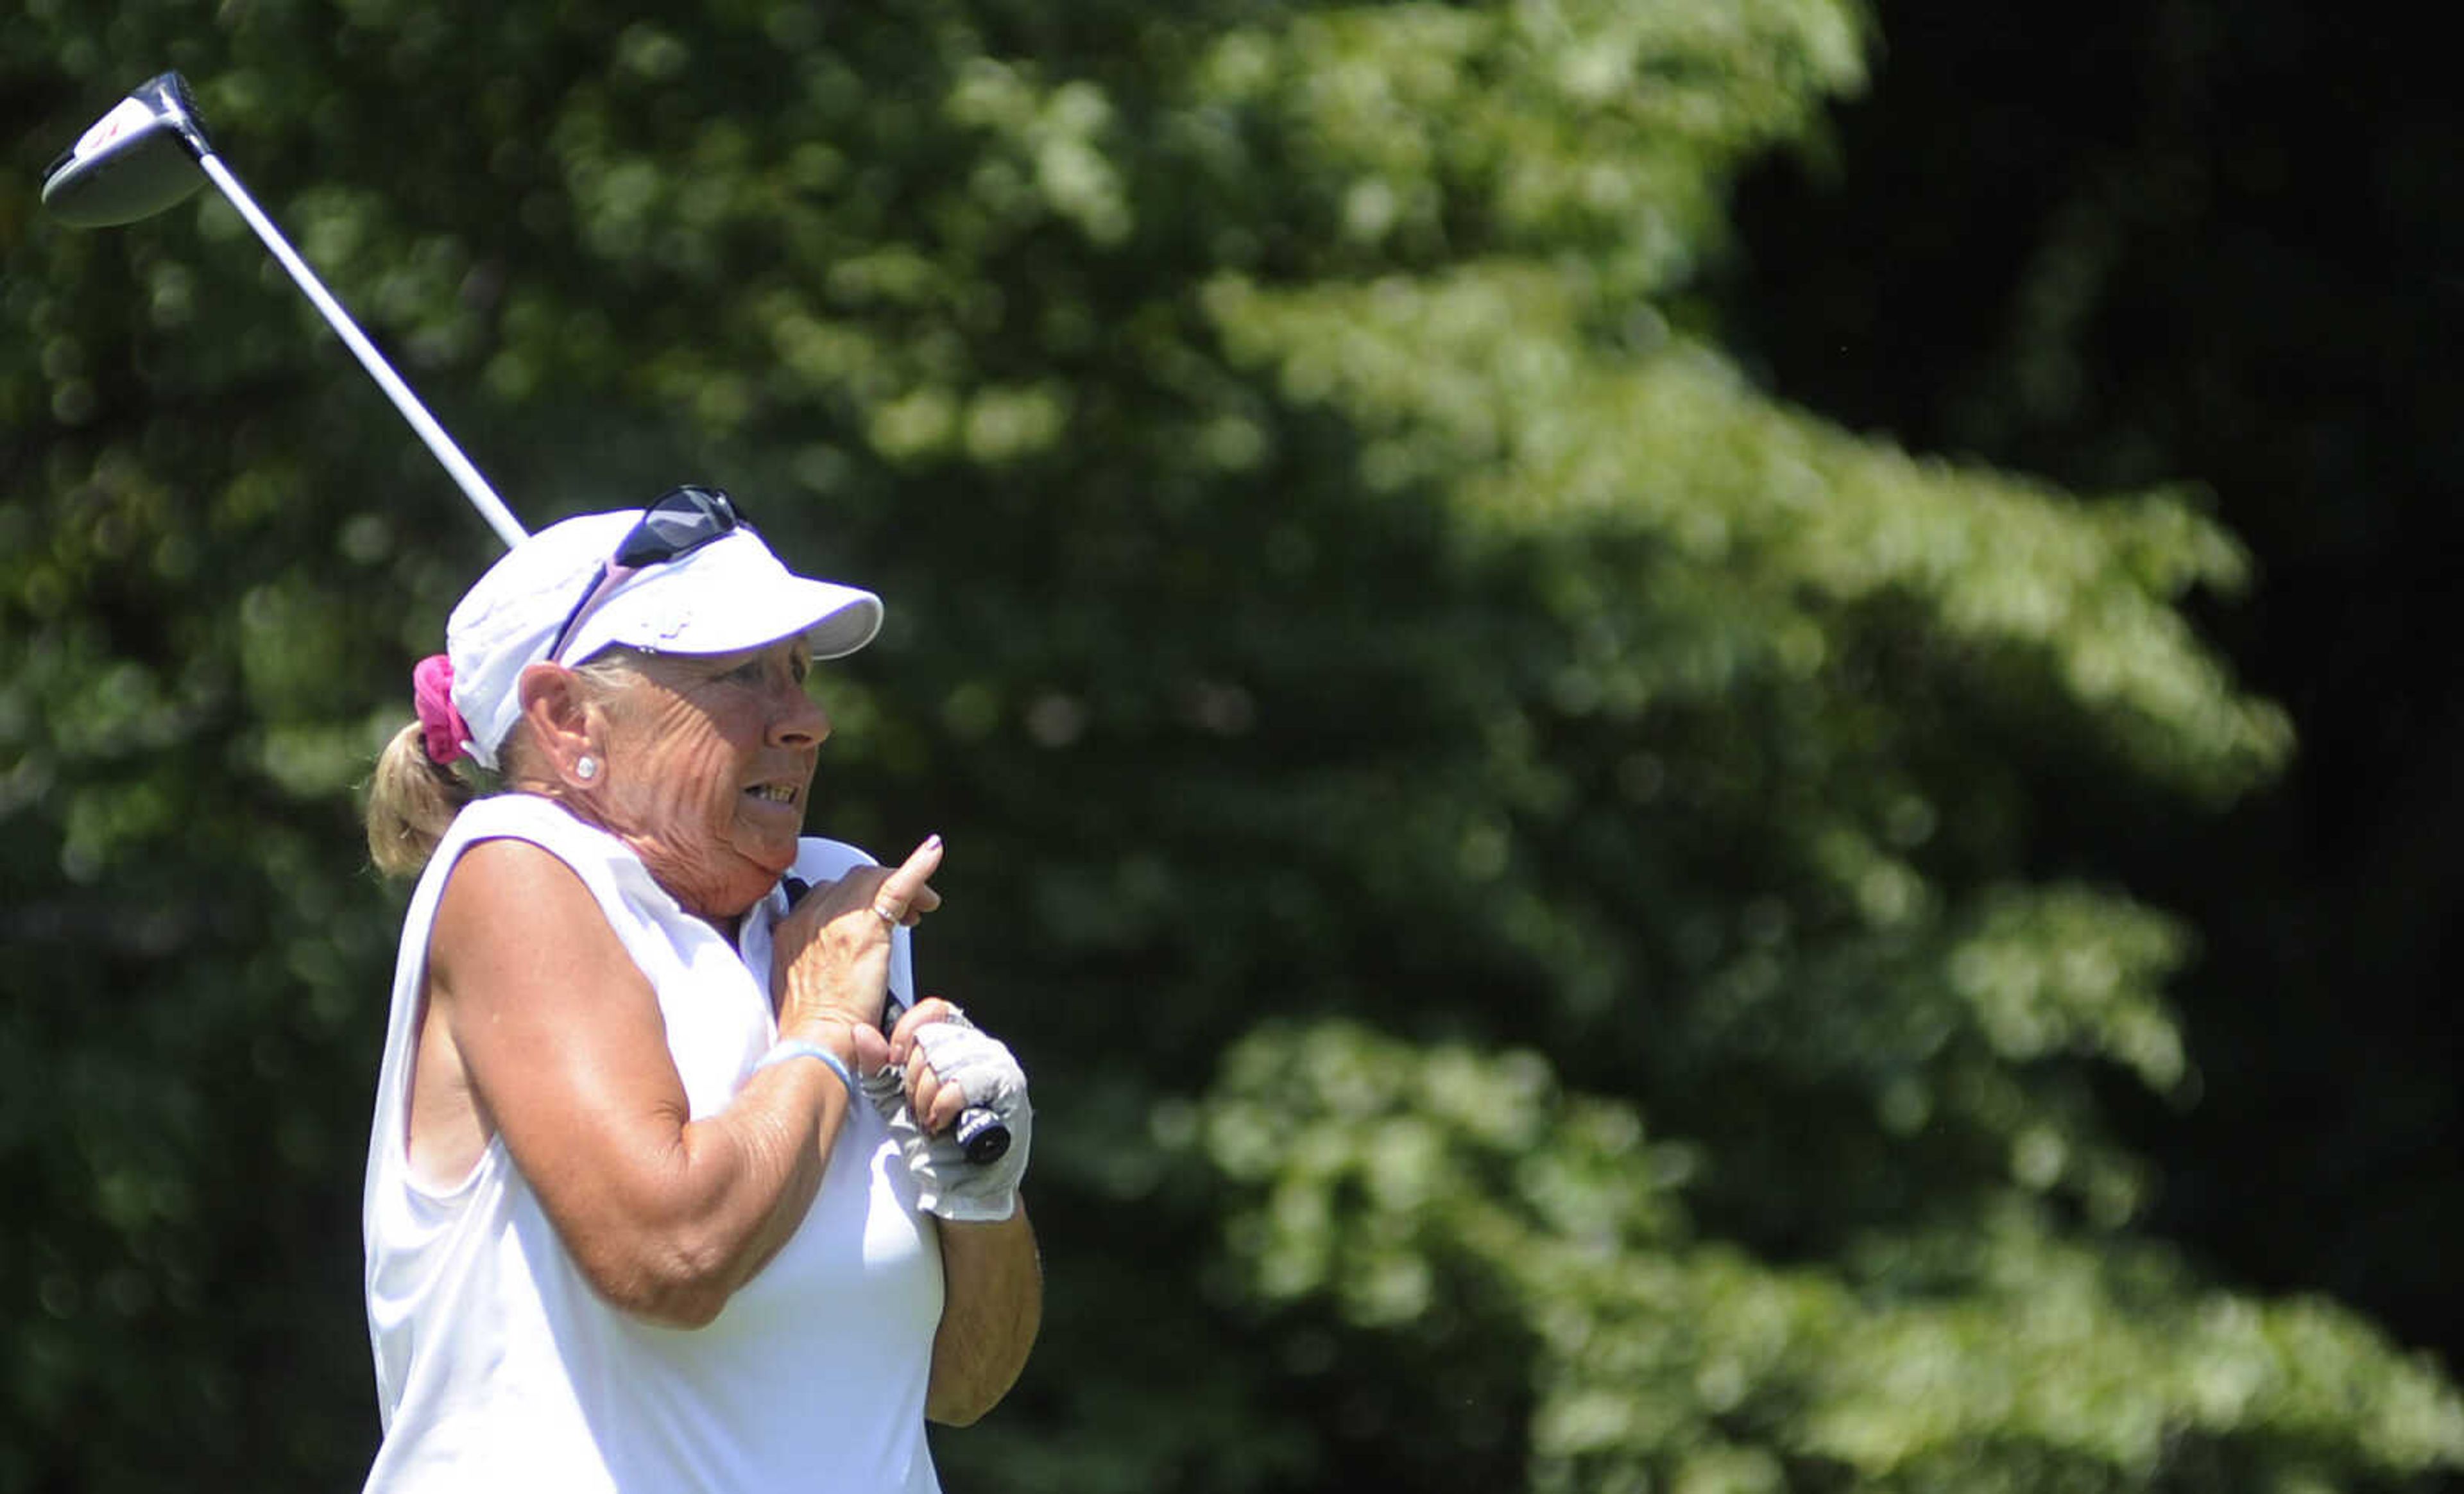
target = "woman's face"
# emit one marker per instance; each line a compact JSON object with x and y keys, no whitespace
{"x":708,"y":763}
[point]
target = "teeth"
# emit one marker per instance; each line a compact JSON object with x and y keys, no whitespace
{"x":775,"y":792}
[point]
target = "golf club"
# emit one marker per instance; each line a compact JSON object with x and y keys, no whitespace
{"x":136,"y":162}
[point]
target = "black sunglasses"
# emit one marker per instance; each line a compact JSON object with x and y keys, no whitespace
{"x":677,"y":522}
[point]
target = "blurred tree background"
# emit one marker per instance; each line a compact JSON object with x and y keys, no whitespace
{"x":1614,"y":686}
{"x":2191,"y":240}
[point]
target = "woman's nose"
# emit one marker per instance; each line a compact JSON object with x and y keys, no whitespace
{"x":799,"y":720}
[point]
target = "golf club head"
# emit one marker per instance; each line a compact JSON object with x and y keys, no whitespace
{"x":136,"y":161}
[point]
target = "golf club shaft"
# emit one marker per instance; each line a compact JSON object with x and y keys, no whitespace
{"x":483,"y":497}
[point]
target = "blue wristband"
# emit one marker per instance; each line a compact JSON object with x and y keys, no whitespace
{"x":800,"y":1047}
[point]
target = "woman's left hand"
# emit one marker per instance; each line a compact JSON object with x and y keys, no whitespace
{"x":933,"y":1066}
{"x":936,"y":1102}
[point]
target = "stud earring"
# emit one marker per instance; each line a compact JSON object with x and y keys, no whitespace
{"x":586,"y":767}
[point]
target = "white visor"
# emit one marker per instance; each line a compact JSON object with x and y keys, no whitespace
{"x":728,"y":595}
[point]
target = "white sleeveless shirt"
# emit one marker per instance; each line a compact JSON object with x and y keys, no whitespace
{"x":498,"y":1368}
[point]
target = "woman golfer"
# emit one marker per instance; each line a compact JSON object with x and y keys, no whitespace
{"x":652,"y":1203}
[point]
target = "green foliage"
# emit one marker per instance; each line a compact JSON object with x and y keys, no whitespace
{"x":1394,"y":1181}
{"x":1405,"y":711}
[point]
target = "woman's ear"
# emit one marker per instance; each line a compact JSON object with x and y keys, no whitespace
{"x":563,"y":727}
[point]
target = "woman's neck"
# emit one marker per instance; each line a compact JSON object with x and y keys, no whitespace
{"x":695,"y":886}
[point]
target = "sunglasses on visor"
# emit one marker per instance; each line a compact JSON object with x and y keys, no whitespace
{"x":677,"y":522}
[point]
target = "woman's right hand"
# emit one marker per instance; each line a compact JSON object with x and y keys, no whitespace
{"x":829,"y":961}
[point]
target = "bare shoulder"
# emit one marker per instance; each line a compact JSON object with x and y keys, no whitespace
{"x":503,"y":875}
{"x":558,"y":1029}
{"x":511,"y":896}
{"x":502,"y":899}
{"x":514,"y":921}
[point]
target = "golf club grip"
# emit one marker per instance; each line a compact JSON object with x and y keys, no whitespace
{"x":981,"y":1135}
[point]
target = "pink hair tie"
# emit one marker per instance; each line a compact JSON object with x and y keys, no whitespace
{"x":431,"y":690}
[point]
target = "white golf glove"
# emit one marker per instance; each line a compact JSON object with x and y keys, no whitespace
{"x":948,"y":1185}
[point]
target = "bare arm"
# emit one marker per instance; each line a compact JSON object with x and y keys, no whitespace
{"x":992,"y":1275}
{"x":994,"y":1305}
{"x":565,"y":1056}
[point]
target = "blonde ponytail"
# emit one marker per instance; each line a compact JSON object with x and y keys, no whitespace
{"x":412,"y":801}
{"x":413,"y":798}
